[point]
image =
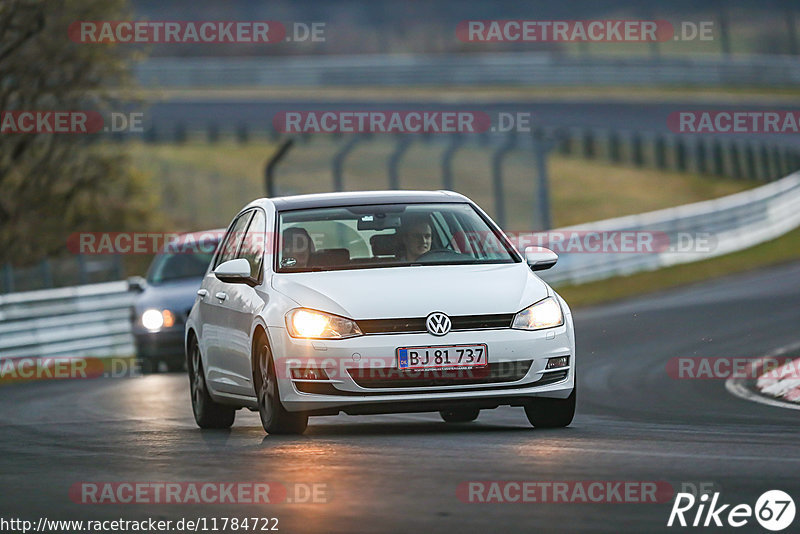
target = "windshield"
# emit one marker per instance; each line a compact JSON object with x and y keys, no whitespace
{"x":178,"y":266}
{"x":387,"y":235}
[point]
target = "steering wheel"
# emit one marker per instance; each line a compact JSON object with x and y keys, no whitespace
{"x":441,"y":254}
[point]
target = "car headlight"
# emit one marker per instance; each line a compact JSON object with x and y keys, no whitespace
{"x":320,"y":325}
{"x":156,"y":319}
{"x":544,"y":314}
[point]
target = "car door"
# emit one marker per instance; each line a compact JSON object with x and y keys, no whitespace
{"x":214,"y":305}
{"x":245,"y":302}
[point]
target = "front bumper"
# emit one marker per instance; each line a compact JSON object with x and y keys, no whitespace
{"x":519,"y":359}
{"x":165,"y":345}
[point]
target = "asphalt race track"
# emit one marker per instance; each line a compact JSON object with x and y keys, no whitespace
{"x":399,"y":473}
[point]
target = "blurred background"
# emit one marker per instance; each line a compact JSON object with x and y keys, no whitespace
{"x":599,"y":145}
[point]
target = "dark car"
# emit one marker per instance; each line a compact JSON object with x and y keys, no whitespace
{"x":165,"y":298}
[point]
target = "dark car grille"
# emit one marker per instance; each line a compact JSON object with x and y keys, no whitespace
{"x":417,"y":324}
{"x":390,"y":377}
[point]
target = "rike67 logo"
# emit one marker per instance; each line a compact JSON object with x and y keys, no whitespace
{"x":774,"y":510}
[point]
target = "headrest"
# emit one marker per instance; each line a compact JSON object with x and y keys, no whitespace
{"x":295,"y":238}
{"x":383,"y":244}
{"x":331,"y":257}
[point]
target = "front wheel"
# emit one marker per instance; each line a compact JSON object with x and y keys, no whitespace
{"x":461,"y":415}
{"x":274,"y":417}
{"x":544,"y":412}
{"x":207,"y":412}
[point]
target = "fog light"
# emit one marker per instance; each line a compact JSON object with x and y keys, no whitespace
{"x":309,"y":373}
{"x":555,"y":363}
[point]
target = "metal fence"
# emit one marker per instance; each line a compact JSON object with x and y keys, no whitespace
{"x":506,"y":68}
{"x":725,"y":225}
{"x":89,"y":320}
{"x":94,"y":319}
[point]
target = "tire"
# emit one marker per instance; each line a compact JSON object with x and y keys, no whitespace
{"x":545,"y":412}
{"x":274,"y":417}
{"x":207,"y":412}
{"x":460,"y":415}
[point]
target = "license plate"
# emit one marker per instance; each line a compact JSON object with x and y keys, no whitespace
{"x":442,"y":357}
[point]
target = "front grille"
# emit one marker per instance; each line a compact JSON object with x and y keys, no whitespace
{"x":326,"y":388}
{"x":390,"y":377}
{"x":417,"y":324}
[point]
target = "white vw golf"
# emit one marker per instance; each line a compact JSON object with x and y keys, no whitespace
{"x":376,"y":302}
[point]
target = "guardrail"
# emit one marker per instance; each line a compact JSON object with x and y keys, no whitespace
{"x":93,"y":320}
{"x":731,"y":223}
{"x":505,"y":68}
{"x":89,"y":320}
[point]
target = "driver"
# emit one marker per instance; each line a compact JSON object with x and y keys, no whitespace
{"x":415,"y":235}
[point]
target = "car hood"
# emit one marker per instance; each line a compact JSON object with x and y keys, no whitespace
{"x":177,"y":295}
{"x":415,"y":291}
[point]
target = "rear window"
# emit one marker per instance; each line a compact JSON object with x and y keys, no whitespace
{"x":178,"y":266}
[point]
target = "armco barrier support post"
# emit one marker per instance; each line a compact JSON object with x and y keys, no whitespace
{"x":680,"y":154}
{"x":447,"y":161}
{"x":637,"y":149}
{"x":47,"y":273}
{"x":151,"y":134}
{"x":700,"y":166}
{"x":272,"y":162}
{"x":497,"y":179}
{"x":660,"y":150}
{"x":717,"y":158}
{"x":242,"y":133}
{"x":542,"y":147}
{"x":212,"y":132}
{"x":614,"y":151}
{"x":180,"y":133}
{"x":338,"y":162}
{"x":403,"y":144}
{"x":751,"y":171}
{"x":588,"y":144}
{"x":564,"y":142}
{"x":83,"y":277}
{"x":8,"y":278}
{"x":735,"y":160}
{"x":119,"y":268}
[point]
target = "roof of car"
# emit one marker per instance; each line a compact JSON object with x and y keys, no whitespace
{"x":360,"y":198}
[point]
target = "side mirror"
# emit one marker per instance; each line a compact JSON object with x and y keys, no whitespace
{"x":234,"y":271}
{"x":540,"y":258}
{"x":137,"y":284}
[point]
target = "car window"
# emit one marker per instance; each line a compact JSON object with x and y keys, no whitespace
{"x":178,"y":266}
{"x":234,"y":237}
{"x":253,"y":245}
{"x":387,"y":235}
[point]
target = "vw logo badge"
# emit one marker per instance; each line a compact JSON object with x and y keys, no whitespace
{"x":438,"y":323}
